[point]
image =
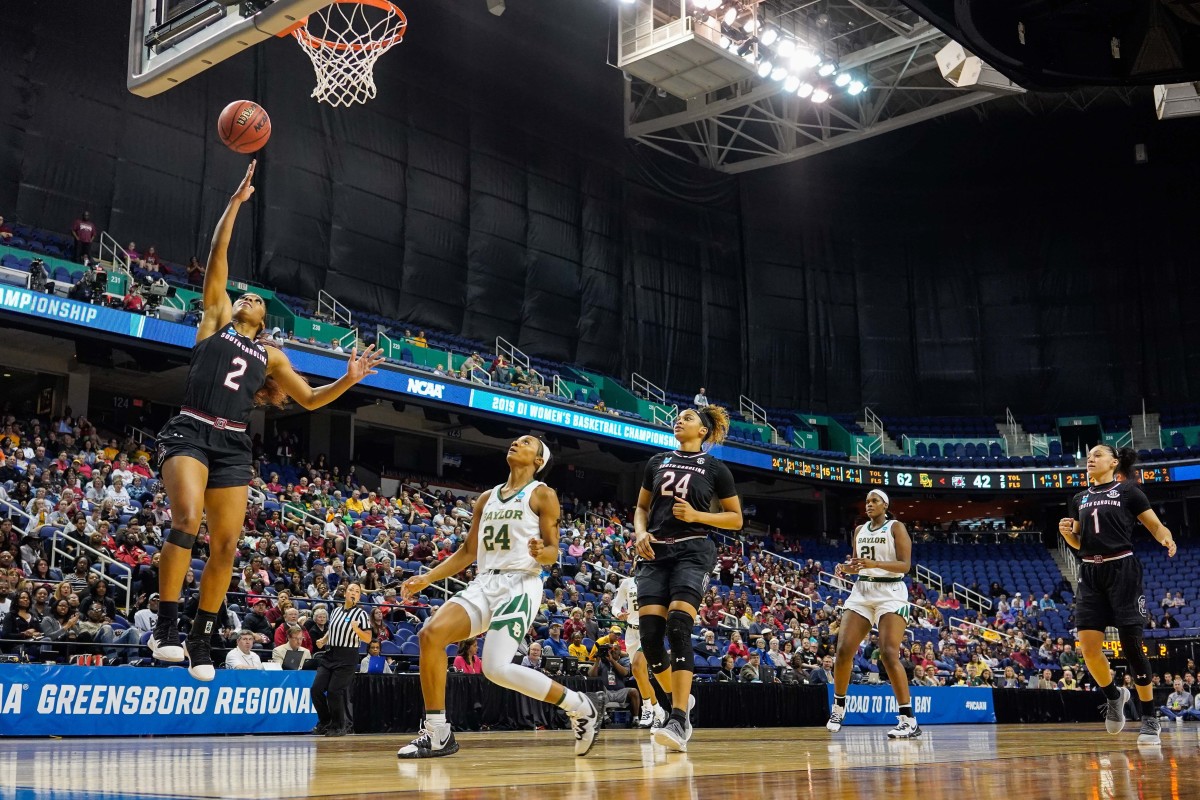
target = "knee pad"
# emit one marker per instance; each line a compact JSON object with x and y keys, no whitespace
{"x":181,"y":539}
{"x":1135,"y":656}
{"x":679,"y":636}
{"x":653,"y":630}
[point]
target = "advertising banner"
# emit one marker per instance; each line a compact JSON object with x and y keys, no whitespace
{"x":932,"y":705}
{"x":58,"y":700}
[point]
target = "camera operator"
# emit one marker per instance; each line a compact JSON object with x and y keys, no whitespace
{"x":92,"y":283}
{"x":614,"y":670}
{"x":39,"y":277}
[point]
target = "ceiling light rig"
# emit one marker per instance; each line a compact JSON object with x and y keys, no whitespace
{"x":777,"y":55}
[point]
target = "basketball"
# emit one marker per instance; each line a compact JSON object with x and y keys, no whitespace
{"x":244,"y":126}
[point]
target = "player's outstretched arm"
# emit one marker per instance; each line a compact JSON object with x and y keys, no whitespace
{"x":462,"y":558}
{"x":218,"y":310}
{"x":313,"y":397}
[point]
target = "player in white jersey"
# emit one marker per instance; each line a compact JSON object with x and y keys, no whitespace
{"x":625,"y":607}
{"x":514,"y":532}
{"x":882,"y":557}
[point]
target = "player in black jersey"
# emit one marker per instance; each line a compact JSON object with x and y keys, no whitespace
{"x":204,"y":453}
{"x":1100,"y":526}
{"x":673,"y":522}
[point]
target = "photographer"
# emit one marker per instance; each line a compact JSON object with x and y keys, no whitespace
{"x":39,"y":277}
{"x":134,"y":302}
{"x":614,"y":670}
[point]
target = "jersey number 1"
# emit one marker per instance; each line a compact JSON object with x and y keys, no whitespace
{"x":239,"y":369}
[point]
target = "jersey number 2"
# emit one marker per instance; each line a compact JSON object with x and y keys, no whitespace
{"x":239,"y":369}
{"x":681,"y":486}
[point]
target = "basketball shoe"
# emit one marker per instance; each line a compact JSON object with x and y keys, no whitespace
{"x":907,"y":729}
{"x":1114,"y":711}
{"x":432,"y":741}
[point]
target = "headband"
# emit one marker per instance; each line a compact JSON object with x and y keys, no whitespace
{"x":545,"y":455}
{"x":882,"y":495}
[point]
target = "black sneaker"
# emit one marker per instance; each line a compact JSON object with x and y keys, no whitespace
{"x":339,"y":731}
{"x":164,"y":643}
{"x":200,"y":663}
{"x":428,"y":745}
{"x":321,"y":729}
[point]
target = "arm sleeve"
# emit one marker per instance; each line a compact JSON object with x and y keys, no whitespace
{"x":648,"y":476}
{"x":1136,"y":501}
{"x":723,"y":481}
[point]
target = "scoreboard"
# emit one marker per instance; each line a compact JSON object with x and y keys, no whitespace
{"x":958,"y":480}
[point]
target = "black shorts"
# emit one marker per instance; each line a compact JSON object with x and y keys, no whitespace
{"x":679,"y":571}
{"x":1110,"y":594}
{"x":227,"y":454}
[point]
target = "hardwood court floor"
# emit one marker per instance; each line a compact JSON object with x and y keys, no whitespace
{"x":991,"y":762}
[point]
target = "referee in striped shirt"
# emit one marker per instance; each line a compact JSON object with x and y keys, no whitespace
{"x":348,"y":625}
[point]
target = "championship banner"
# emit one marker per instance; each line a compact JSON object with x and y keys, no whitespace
{"x":58,"y":700}
{"x":932,"y":705}
{"x":94,"y":317}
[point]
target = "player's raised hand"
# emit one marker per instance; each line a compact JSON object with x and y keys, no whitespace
{"x":246,"y":188}
{"x":360,"y":366}
{"x":1066,"y":526}
{"x":412,"y":587}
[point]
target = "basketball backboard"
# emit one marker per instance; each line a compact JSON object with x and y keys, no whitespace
{"x":172,"y":40}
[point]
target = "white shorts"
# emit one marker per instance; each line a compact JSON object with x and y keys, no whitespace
{"x":633,"y":640}
{"x":872,"y":600}
{"x":503,"y":600}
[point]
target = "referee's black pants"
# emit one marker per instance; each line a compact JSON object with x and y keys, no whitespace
{"x":331,"y":686}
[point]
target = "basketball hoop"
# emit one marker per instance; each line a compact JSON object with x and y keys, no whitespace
{"x":343,"y":41}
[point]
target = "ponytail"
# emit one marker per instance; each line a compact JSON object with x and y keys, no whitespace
{"x":1126,"y":457}
{"x":716,"y":419}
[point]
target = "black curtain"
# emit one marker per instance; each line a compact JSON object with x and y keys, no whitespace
{"x":959,"y":266}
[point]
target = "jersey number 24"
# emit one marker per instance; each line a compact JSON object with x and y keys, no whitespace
{"x":681,"y":486}
{"x":495,"y":540}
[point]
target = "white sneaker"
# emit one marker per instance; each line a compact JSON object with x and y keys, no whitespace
{"x":1149,"y":732}
{"x":647,"y":717}
{"x":171,"y":653}
{"x":660,"y":717}
{"x":672,"y":736}
{"x":835,"y":719}
{"x":586,"y":725}
{"x":691,"y":705}
{"x":432,"y":741}
{"x":907,"y":729}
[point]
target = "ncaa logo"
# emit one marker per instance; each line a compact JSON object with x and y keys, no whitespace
{"x":1142,"y":605}
{"x":666,"y":461}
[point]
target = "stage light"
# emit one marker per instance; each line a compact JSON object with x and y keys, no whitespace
{"x":820,"y":96}
{"x":856,"y":87}
{"x":843,"y":79}
{"x":764,"y":69}
{"x":779,"y":73}
{"x":826,"y":69}
{"x":786,"y":48}
{"x":724,"y":42}
{"x":751,"y":25}
{"x":746,"y":49}
{"x":730,"y":15}
{"x":791,"y":84}
{"x":805,"y":89}
{"x":804,"y":58}
{"x":769,"y":36}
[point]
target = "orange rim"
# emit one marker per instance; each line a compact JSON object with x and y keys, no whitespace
{"x":301,"y":33}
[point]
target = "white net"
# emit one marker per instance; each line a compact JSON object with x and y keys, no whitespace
{"x":344,"y":41}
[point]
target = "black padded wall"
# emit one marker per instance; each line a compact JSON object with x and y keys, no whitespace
{"x":960,"y":266}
